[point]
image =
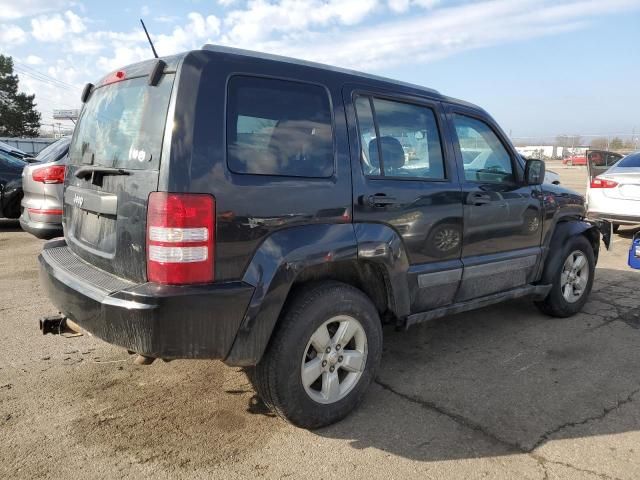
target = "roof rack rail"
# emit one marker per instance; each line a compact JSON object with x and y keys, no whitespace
{"x":280,"y":58}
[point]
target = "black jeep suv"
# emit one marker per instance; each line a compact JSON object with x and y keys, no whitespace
{"x":274,"y":213}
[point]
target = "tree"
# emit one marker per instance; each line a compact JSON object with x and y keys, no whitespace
{"x":568,"y":140}
{"x":18,"y":115}
{"x":599,"y":143}
{"x":616,"y":144}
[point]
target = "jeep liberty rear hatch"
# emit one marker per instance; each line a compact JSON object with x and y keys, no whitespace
{"x":114,"y":162}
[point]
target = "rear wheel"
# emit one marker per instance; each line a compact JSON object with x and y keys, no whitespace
{"x":323,"y":356}
{"x":572,"y":280}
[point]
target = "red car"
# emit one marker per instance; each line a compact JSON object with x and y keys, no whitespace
{"x":575,"y":160}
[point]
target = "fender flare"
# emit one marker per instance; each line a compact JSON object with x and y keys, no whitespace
{"x":562,"y":232}
{"x":287,"y":253}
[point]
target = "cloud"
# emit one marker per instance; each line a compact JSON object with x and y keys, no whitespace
{"x":370,"y":35}
{"x":12,"y":35}
{"x":401,"y":6}
{"x":417,"y":38}
{"x":260,"y":19}
{"x":56,"y":27}
{"x":34,"y":60}
{"x":12,"y":9}
{"x":192,"y":35}
{"x":145,"y":10}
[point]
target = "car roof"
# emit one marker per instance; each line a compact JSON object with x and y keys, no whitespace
{"x":348,"y":72}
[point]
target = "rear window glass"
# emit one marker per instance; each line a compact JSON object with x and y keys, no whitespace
{"x":630,"y":161}
{"x":55,"y":151}
{"x":278,"y":127}
{"x":122,"y":125}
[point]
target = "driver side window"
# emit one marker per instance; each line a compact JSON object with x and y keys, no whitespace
{"x":484,"y":156}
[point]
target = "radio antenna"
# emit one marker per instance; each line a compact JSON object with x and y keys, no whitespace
{"x":155,"y":54}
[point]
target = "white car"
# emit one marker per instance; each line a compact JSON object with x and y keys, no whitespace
{"x":615,"y":194}
{"x":551,"y":177}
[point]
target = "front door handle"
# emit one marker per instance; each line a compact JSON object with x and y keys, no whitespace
{"x":475,"y":198}
{"x":380,"y":200}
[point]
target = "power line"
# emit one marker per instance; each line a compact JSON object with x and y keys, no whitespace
{"x":30,"y":70}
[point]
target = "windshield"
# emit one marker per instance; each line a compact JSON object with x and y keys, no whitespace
{"x":122,"y":125}
{"x":630,"y":161}
{"x":55,"y":151}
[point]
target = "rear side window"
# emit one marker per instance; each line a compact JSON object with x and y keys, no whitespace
{"x":279,"y":127}
{"x":399,"y":139}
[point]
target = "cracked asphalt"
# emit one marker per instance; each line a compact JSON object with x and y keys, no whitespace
{"x":503,"y":392}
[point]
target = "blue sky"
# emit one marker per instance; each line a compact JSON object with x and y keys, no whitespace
{"x":541,"y":67}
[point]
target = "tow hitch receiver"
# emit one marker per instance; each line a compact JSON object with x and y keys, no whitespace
{"x":58,"y":325}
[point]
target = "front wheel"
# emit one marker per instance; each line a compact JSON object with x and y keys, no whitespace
{"x":572,"y":279}
{"x":323,"y":356}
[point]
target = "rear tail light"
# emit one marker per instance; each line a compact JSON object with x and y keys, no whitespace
{"x":603,"y":183}
{"x":52,"y":174}
{"x":180,"y":238}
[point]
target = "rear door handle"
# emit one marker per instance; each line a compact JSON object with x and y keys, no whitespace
{"x":380,"y":200}
{"x":478,"y":199}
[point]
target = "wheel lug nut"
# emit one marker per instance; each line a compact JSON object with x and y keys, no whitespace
{"x":332,"y":369}
{"x":340,"y":358}
{"x":328,"y":350}
{"x":338,"y":347}
{"x":324,"y":363}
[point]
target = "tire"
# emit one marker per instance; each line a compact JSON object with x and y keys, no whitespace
{"x":278,"y":377}
{"x":557,"y":303}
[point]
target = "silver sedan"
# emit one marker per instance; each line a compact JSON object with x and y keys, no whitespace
{"x":43,"y":184}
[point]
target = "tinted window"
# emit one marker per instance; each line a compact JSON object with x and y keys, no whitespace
{"x":55,"y":151}
{"x":122,"y":124}
{"x":370,"y":162}
{"x":484,"y":156}
{"x":630,"y":161}
{"x":409,"y":140}
{"x":277,"y":127}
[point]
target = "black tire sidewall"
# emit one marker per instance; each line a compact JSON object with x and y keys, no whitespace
{"x":294,"y":334}
{"x":555,"y":303}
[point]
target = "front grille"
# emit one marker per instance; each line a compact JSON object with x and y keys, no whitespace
{"x":64,"y":259}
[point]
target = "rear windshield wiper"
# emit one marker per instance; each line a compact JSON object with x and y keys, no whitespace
{"x":87,"y":172}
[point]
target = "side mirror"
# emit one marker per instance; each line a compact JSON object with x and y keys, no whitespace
{"x":534,"y":172}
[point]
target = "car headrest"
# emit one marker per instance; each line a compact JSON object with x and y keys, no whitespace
{"x":392,"y":152}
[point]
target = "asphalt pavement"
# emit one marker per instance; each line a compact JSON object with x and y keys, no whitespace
{"x":503,"y":392}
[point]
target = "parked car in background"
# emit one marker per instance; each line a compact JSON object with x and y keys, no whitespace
{"x":575,"y":160}
{"x":10,"y":185}
{"x":43,"y":184}
{"x":13,"y":151}
{"x":551,"y":177}
{"x":614,"y":194}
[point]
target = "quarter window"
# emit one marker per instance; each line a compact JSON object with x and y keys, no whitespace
{"x":403,"y":141}
{"x":278,"y":127}
{"x":484,"y":156}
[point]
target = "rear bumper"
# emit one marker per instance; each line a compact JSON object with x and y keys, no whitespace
{"x":40,"y":229}
{"x":615,"y":218}
{"x":154,"y":320}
